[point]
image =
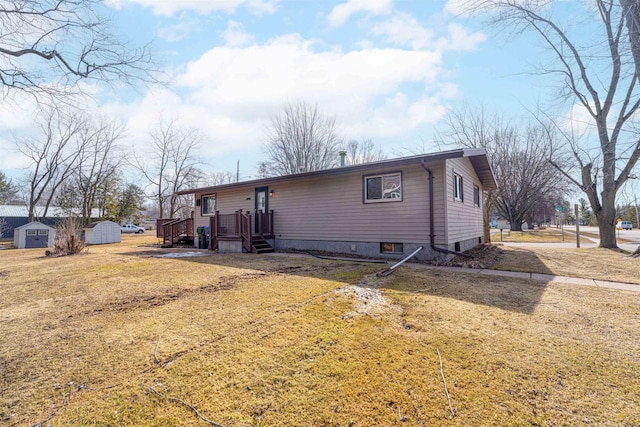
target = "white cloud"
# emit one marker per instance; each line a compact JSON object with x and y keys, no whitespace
{"x":235,"y":36}
{"x":203,"y":7}
{"x":342,"y":12}
{"x":460,"y":39}
{"x":231,"y":92}
{"x":402,"y":29}
{"x":181,"y":30}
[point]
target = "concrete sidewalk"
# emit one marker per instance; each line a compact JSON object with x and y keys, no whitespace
{"x":534,"y":276}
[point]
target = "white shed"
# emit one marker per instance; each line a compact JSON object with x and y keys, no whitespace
{"x":101,"y":232}
{"x":34,"y":235}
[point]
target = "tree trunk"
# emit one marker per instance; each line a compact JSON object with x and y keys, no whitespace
{"x":606,"y":223}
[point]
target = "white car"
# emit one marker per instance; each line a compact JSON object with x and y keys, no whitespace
{"x":131,"y":228}
{"x":626,"y":225}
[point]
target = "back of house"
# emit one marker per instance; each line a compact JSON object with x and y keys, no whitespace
{"x":380,"y":209}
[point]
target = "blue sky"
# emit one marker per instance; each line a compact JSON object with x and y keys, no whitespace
{"x":388,"y":70}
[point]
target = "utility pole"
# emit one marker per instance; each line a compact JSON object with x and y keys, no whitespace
{"x":577,"y":227}
{"x":238,"y":171}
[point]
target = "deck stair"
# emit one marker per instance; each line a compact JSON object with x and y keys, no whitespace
{"x":260,"y":246}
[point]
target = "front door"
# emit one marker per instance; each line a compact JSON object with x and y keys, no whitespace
{"x":262,"y":204}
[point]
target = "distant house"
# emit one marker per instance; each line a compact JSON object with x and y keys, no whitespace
{"x":18,"y":215}
{"x":384,"y":209}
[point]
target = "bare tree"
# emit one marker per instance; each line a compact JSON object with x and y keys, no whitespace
{"x":53,"y":155}
{"x":364,"y":151}
{"x":301,"y":139}
{"x":98,"y":162}
{"x":171,"y":166}
{"x":220,"y":178}
{"x":631,"y":13}
{"x":601,"y":78}
{"x":48,"y":46}
{"x":519,"y":159}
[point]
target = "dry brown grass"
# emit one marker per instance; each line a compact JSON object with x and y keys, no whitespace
{"x":547,"y":235}
{"x":590,"y":263}
{"x":266,"y":340}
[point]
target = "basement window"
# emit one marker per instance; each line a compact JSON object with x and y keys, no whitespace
{"x":208,"y":204}
{"x":456,"y":246}
{"x":391,"y":248}
{"x":383,"y":188}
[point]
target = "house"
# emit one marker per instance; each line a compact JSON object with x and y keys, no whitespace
{"x":384,"y":209}
{"x":101,"y":232}
{"x":34,"y":235}
{"x":18,"y":215}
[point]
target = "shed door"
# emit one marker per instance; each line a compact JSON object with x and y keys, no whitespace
{"x":37,"y":239}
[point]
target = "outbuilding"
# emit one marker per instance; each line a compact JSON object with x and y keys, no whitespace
{"x":34,"y":235}
{"x":102,"y":232}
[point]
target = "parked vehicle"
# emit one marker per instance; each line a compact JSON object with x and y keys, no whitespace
{"x":131,"y":228}
{"x":626,"y":225}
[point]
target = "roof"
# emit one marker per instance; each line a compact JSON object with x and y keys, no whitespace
{"x":32,"y":223}
{"x":94,"y":224}
{"x":20,"y":211}
{"x":477,"y":156}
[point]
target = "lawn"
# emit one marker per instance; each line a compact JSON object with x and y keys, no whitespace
{"x":590,"y":263}
{"x":118,"y":336}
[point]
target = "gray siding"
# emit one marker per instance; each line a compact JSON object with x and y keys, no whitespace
{"x":331,"y":208}
{"x":464,"y":220}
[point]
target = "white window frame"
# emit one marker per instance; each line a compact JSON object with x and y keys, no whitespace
{"x":458,"y":188}
{"x":476,"y":192}
{"x":32,"y":232}
{"x":382,"y":200}
{"x":203,"y":203}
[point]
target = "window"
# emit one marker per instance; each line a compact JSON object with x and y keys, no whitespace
{"x":208,"y":204}
{"x":456,"y":246}
{"x":43,"y":232}
{"x":476,"y":196}
{"x":391,"y":248}
{"x":32,"y":232}
{"x":457,"y":188}
{"x":383,"y":188}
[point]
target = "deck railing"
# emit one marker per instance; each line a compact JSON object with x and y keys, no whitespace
{"x":240,"y":225}
{"x":177,"y":228}
{"x":245,"y":231}
{"x":264,"y":223}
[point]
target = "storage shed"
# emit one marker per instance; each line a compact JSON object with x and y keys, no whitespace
{"x":102,"y":232}
{"x":34,"y":235}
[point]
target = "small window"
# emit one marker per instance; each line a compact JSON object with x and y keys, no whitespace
{"x":457,"y":188}
{"x":383,"y":188}
{"x":456,"y":246}
{"x":391,"y":248}
{"x":208,"y":204}
{"x":32,"y":232}
{"x":476,"y":196}
{"x":43,"y":232}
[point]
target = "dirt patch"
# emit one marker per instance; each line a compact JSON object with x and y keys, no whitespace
{"x":367,"y":302}
{"x":4,"y":274}
{"x":148,"y":301}
{"x":484,"y":256}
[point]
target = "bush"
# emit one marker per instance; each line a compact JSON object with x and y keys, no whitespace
{"x":68,"y":238}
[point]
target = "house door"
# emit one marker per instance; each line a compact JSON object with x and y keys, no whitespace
{"x":262,"y":204}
